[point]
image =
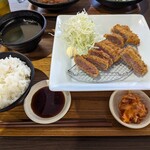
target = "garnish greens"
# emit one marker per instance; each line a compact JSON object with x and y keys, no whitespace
{"x":79,"y":32}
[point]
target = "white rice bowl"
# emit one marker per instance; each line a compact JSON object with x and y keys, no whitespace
{"x":14,"y":80}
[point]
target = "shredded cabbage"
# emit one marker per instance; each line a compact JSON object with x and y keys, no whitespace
{"x":79,"y":32}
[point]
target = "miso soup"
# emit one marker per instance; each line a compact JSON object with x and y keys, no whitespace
{"x":20,"y":31}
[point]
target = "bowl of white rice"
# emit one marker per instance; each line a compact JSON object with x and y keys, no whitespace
{"x":118,"y":3}
{"x":16,"y":76}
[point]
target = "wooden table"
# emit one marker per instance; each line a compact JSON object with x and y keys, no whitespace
{"x":85,"y":105}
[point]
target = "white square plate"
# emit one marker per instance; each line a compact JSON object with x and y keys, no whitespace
{"x":61,"y":63}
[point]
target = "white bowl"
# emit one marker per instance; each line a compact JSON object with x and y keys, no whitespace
{"x":29,"y":112}
{"x":114,"y":101}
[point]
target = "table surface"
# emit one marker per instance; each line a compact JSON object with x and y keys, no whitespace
{"x":85,"y":105}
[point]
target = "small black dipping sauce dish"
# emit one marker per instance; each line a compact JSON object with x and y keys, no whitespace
{"x":45,"y":106}
{"x":22,"y":30}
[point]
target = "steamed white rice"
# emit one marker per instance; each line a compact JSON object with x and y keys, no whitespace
{"x":14,"y":80}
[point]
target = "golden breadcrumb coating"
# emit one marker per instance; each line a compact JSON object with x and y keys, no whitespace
{"x":133,"y":59}
{"x":112,"y":49}
{"x":116,"y":39}
{"x":109,"y":48}
{"x":100,"y":63}
{"x":127,"y":34}
{"x":86,"y":66}
{"x":101,"y":54}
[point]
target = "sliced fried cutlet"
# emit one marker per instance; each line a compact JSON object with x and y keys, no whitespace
{"x":100,"y":63}
{"x":86,"y":66}
{"x":133,"y":60}
{"x":108,"y":48}
{"x":115,"y":48}
{"x":116,"y":39}
{"x":101,"y":54}
{"x":127,"y":34}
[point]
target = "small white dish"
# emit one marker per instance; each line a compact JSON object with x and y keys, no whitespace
{"x":114,"y":101}
{"x":30,"y":113}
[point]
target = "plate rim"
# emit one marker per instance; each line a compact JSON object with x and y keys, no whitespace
{"x":78,"y":86}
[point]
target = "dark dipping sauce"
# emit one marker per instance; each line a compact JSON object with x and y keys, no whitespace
{"x":46,"y":103}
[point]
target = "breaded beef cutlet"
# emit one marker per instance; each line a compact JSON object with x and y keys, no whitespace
{"x":86,"y":66}
{"x":126,"y":33}
{"x":101,"y":54}
{"x":108,"y":48}
{"x":133,"y":60}
{"x":100,"y":63}
{"x":116,"y":39}
{"x":115,"y":47}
